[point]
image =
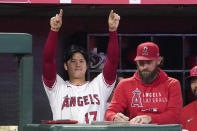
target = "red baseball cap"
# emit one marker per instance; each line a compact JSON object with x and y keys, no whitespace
{"x":147,"y":51}
{"x":193,"y":72}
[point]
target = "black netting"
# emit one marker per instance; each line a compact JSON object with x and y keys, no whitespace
{"x":9,"y":106}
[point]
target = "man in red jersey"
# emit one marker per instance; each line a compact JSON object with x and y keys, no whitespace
{"x":150,"y":96}
{"x":189,"y":112}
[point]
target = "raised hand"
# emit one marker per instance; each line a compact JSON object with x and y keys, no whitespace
{"x":56,"y":21}
{"x":113,"y":21}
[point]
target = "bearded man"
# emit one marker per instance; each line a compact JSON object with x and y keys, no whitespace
{"x":150,"y":95}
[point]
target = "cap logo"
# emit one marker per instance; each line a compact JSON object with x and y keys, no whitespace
{"x":195,"y":71}
{"x":145,"y":50}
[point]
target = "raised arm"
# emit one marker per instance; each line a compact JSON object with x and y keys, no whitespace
{"x":111,"y":64}
{"x":49,"y":64}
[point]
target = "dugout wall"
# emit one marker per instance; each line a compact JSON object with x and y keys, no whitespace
{"x":20,"y":44}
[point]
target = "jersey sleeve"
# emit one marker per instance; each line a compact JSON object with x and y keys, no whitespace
{"x":174,"y":108}
{"x":104,"y":88}
{"x":49,"y":64}
{"x":111,"y":64}
{"x":118,"y":103}
{"x":54,"y":91}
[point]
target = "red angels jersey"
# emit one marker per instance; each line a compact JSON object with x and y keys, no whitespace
{"x":189,"y":116}
{"x":84,"y":103}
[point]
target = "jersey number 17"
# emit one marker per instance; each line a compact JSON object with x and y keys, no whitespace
{"x":89,"y":115}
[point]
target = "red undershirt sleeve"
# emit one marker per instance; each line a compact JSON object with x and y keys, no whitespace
{"x":49,"y":64}
{"x":111,"y":64}
{"x":118,"y":103}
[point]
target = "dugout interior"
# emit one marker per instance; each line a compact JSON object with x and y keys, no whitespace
{"x":173,"y":27}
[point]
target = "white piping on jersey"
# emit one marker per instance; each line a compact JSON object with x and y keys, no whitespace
{"x":52,"y":85}
{"x":108,"y":85}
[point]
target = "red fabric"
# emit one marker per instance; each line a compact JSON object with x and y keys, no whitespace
{"x":49,"y":64}
{"x":111,"y":64}
{"x":189,"y":116}
{"x":162,"y":99}
{"x":147,"y":51}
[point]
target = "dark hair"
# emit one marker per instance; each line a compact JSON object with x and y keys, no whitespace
{"x":69,"y":52}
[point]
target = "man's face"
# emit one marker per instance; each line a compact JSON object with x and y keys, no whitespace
{"x":147,"y":69}
{"x":194,"y":86}
{"x":76,"y":66}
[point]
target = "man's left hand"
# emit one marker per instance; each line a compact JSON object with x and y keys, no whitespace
{"x":143,"y":119}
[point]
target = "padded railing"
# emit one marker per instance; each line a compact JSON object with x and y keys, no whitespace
{"x":21,"y":45}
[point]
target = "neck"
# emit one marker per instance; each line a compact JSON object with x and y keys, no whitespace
{"x":77,"y":82}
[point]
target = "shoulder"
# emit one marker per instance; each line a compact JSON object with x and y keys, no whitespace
{"x":189,"y":107}
{"x":188,"y":111}
{"x":58,"y":86}
{"x":59,"y":82}
{"x":173,"y":85}
{"x":173,"y":81}
{"x":59,"y":79}
{"x":163,"y":77}
{"x":126,"y":82}
{"x":99,"y":80}
{"x":99,"y":76}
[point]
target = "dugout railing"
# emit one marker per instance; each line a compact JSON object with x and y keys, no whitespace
{"x":20,"y":44}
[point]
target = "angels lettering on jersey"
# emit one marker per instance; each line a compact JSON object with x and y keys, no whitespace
{"x":80,"y":100}
{"x":139,"y":98}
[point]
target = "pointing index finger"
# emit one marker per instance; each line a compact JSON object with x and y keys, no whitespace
{"x":111,"y":13}
{"x":61,"y":13}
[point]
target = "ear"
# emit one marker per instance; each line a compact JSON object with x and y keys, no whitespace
{"x":65,"y":67}
{"x":159,"y":59}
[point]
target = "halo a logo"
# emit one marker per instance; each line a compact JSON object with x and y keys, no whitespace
{"x":145,"y":50}
{"x":136,"y":99}
{"x":195,"y":71}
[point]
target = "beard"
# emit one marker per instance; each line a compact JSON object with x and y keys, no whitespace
{"x":147,"y":76}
